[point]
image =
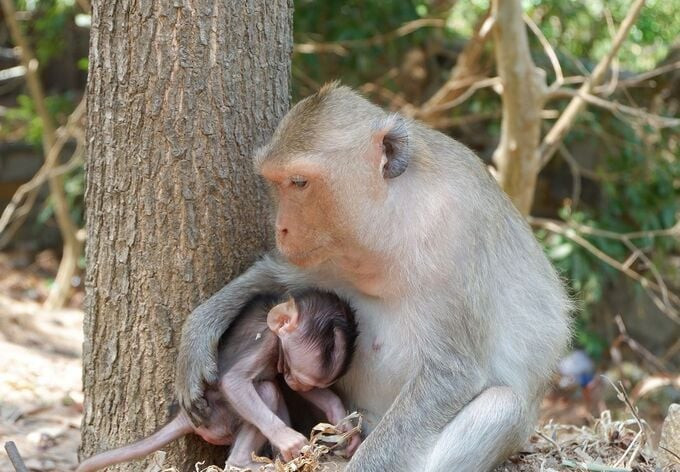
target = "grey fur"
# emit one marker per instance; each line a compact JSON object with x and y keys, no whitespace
{"x":453,"y":361}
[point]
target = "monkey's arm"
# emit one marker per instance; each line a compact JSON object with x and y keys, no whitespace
{"x":243,"y":397}
{"x":328,"y":402}
{"x":331,"y":405}
{"x":203,"y":328}
{"x":421,"y":411}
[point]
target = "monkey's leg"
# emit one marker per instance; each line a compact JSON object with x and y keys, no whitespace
{"x":488,"y":429}
{"x":249,"y":438}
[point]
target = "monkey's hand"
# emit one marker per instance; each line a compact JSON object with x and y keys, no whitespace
{"x":196,"y":368}
{"x":352,"y":445}
{"x":288,"y":442}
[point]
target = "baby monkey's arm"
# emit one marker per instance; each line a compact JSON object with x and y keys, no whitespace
{"x":238,"y":387}
{"x":327,"y":401}
{"x":330,"y":404}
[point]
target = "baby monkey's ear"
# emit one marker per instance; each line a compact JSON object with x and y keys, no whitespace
{"x":283,"y":318}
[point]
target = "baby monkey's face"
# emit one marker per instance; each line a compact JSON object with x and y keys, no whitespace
{"x":301,"y":360}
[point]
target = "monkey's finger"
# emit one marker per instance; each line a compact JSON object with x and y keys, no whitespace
{"x":353,"y":445}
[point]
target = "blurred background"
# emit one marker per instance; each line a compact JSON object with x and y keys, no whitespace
{"x":606,"y":202}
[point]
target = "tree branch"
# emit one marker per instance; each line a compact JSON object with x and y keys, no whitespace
{"x":549,"y":51}
{"x":523,"y":96}
{"x":559,"y":130}
{"x":61,"y":288}
{"x":657,"y":121}
{"x":668,"y":301}
{"x":463,"y":75}
{"x":340,"y":47}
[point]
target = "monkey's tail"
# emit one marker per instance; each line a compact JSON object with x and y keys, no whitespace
{"x":176,"y":428}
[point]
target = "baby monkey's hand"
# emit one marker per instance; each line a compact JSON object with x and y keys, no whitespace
{"x":288,"y":442}
{"x":353,"y":442}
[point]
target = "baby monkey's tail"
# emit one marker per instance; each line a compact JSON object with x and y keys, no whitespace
{"x":176,"y":428}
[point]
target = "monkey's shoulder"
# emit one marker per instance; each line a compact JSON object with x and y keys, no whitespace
{"x":249,"y":334}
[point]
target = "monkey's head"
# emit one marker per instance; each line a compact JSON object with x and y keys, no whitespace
{"x":330,"y":164}
{"x":317,"y":335}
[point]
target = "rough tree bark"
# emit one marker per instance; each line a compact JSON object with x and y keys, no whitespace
{"x":179,"y":95}
{"x":517,"y":158}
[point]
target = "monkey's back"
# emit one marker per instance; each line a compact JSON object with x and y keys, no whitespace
{"x":249,"y":335}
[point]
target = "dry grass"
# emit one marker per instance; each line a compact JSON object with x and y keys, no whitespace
{"x":325,"y":440}
{"x":604,"y":446}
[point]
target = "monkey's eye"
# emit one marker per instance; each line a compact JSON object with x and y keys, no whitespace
{"x":298,"y":181}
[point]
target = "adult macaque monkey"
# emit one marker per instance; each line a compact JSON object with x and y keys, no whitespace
{"x":462,"y":317}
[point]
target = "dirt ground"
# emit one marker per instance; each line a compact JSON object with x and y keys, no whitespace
{"x":40,"y":374}
{"x":40,"y":368}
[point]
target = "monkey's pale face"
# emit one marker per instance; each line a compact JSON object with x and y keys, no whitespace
{"x":306,"y":213}
{"x":299,"y":361}
{"x":312,"y":223}
{"x":301,"y":365}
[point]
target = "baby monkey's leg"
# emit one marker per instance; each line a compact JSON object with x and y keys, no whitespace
{"x":249,"y":439}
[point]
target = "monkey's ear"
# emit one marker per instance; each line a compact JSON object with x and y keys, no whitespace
{"x":283,"y":318}
{"x":393,"y":138}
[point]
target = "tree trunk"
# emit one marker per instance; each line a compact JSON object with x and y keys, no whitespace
{"x":517,"y":158}
{"x":179,"y":95}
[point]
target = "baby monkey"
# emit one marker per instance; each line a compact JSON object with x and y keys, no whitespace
{"x":309,"y":338}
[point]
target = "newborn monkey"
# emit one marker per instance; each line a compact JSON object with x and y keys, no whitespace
{"x":308,"y":338}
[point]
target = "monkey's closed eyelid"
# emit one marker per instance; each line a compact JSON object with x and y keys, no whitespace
{"x":298,"y":181}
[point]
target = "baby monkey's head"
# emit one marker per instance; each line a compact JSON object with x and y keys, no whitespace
{"x":317,"y":333}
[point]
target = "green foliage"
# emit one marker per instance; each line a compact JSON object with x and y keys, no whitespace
{"x":640,"y":191}
{"x":47,"y":29}
{"x":340,"y":20}
{"x":24,"y":118}
{"x":582,"y":31}
{"x":638,"y":187}
{"x":74,"y":188}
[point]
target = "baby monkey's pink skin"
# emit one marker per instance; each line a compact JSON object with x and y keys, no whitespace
{"x":246,"y":408}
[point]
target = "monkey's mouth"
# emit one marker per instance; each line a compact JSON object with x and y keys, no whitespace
{"x":303,"y":258}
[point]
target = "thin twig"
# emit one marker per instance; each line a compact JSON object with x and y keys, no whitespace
{"x":672,"y":351}
{"x":610,"y":86}
{"x":651,"y":287}
{"x":340,"y":47}
{"x":465,"y":120}
{"x":466,"y":72}
{"x":549,"y":51}
{"x":474,"y":85}
{"x":27,"y":192}
{"x":641,"y":436}
{"x":15,"y":457}
{"x":636,"y":79}
{"x":60,"y":289}
{"x":677,"y":457}
{"x":30,"y":64}
{"x":551,"y":441}
{"x":637,"y":347}
{"x":575,"y":170}
{"x":559,"y":130}
{"x":658,"y":121}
